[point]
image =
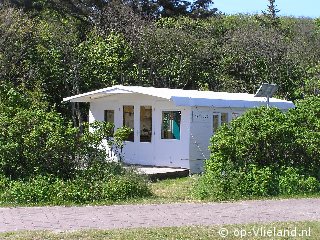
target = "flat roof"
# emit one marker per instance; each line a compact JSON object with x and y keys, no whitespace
{"x":182,"y":97}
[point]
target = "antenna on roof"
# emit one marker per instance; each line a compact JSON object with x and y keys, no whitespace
{"x":266,"y":90}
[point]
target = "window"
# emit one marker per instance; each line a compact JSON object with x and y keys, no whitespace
{"x":215,"y":122}
{"x":145,"y":123}
{"x":224,"y":118}
{"x":109,"y":116}
{"x":128,"y":120}
{"x":170,"y":126}
{"x":235,"y":115}
{"x":218,"y":120}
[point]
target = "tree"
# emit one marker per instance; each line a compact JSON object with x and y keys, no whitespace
{"x":272,"y":10}
{"x":63,"y":48}
{"x":203,"y":9}
{"x":84,"y":10}
{"x":104,"y":61}
{"x":269,"y":18}
{"x":17,"y":32}
{"x":175,"y":8}
{"x":254,"y":54}
{"x":177,"y":54}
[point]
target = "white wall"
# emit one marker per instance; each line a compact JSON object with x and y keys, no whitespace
{"x":161,"y":152}
{"x":201,"y":130}
{"x":196,"y":130}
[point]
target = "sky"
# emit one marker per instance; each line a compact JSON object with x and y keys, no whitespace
{"x":297,"y":8}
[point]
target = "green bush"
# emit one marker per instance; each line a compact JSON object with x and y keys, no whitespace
{"x":44,"y":160}
{"x":291,"y":182}
{"x":209,"y":187}
{"x":36,"y":142}
{"x":227,"y":182}
{"x":265,"y":152}
{"x":305,"y":122}
{"x":107,"y":182}
{"x":255,"y":181}
{"x":33,"y":140}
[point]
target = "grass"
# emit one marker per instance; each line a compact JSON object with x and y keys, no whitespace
{"x":169,"y":191}
{"x":182,"y":190}
{"x":174,"y":190}
{"x":292,"y":230}
{"x":177,"y":190}
{"x":166,"y":191}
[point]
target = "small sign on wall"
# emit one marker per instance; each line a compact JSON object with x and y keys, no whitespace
{"x":198,"y":116}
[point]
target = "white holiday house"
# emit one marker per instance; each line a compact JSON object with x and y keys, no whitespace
{"x":172,"y":127}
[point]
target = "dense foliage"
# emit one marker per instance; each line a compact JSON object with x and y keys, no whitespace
{"x":100,"y":183}
{"x":65,"y":48}
{"x":52,"y":49}
{"x":266,"y":152}
{"x":43,"y":160}
{"x":145,"y":8}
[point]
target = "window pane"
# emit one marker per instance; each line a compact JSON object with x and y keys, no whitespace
{"x":145,"y":123}
{"x":224,"y":118}
{"x":109,"y":116}
{"x":235,"y":115}
{"x":215,"y":123}
{"x":170,"y":127}
{"x":128,"y":120}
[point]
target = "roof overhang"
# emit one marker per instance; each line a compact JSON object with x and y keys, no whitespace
{"x":231,"y":103}
{"x":90,"y":96}
{"x":186,"y":97}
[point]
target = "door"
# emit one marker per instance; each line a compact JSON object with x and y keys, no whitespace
{"x":128,"y":120}
{"x":144,"y":135}
{"x":171,"y":141}
{"x":139,"y":145}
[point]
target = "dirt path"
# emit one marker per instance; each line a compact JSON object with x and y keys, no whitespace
{"x":179,"y":214}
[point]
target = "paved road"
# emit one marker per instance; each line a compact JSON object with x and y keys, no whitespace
{"x":179,"y":214}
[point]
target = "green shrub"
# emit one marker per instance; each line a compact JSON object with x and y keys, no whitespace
{"x":125,"y":187}
{"x":228,"y":182}
{"x":309,"y":185}
{"x":255,"y":181}
{"x":217,"y":184}
{"x":291,"y":182}
{"x":265,"y":152}
{"x":35,"y":141}
{"x":3,"y":185}
{"x":305,"y":122}
{"x":44,"y":160}
{"x":108,"y":182}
